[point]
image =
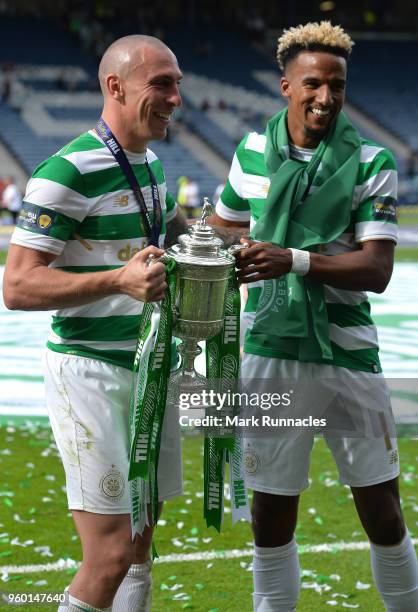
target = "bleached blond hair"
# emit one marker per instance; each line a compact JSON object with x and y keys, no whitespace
{"x":313,"y":36}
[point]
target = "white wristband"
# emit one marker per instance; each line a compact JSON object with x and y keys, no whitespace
{"x":301,"y":262}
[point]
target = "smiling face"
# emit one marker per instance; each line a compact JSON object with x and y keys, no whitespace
{"x":314,"y":85}
{"x":151,"y":93}
{"x":140,"y":84}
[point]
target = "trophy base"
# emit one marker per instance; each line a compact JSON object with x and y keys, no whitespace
{"x":186,"y":382}
{"x":185,"y":389}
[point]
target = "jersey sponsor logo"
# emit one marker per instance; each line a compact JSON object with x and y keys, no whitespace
{"x":384,"y":209}
{"x":252,"y":190}
{"x":265,"y":188}
{"x":35,"y":218}
{"x":128,"y":251}
{"x":121,"y":201}
{"x":27,"y":217}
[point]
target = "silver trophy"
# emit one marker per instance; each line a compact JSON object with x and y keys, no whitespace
{"x":203,"y":268}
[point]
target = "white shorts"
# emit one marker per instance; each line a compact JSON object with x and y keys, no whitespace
{"x":88,"y":406}
{"x":280,"y":464}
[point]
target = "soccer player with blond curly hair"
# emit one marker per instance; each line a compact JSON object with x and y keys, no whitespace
{"x":320,"y":204}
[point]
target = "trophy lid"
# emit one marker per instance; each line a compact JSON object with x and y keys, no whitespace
{"x":201,"y":245}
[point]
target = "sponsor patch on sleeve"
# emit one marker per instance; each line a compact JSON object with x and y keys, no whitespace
{"x":384,"y":209}
{"x":36,"y":219}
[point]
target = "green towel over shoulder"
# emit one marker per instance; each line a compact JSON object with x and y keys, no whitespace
{"x":292,"y":308}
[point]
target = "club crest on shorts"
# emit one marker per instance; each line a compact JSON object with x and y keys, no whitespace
{"x":112,"y":485}
{"x":251,"y":462}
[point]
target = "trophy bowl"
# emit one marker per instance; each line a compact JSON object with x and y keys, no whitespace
{"x":203,"y":268}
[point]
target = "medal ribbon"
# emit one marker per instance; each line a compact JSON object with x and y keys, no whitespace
{"x":151,"y":229}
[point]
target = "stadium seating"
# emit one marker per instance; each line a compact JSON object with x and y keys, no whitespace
{"x":228,"y":90}
{"x":383,"y":70}
{"x":223,"y":61}
{"x":43,"y":118}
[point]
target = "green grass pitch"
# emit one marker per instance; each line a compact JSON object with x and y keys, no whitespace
{"x":35,"y":529}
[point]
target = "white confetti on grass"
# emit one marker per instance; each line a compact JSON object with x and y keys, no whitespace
{"x":44,"y":551}
{"x":16,"y":542}
{"x":362,"y":586}
{"x":63,"y":564}
{"x":18,"y":519}
{"x":315,"y":586}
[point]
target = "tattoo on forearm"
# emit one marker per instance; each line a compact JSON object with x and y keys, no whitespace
{"x":175,"y":228}
{"x":230,"y":235}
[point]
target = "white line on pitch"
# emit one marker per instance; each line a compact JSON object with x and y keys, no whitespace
{"x":210,"y":555}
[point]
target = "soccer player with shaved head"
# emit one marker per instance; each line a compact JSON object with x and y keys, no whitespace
{"x":319,"y":202}
{"x":92,"y":215}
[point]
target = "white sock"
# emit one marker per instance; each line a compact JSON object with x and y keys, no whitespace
{"x":75,"y":605}
{"x":395,"y":572}
{"x":276,"y":574}
{"x":134,"y":594}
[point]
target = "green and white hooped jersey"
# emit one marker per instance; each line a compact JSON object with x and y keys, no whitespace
{"x":78,"y":205}
{"x":352,"y":332}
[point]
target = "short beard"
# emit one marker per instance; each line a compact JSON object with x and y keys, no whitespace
{"x":316,"y":134}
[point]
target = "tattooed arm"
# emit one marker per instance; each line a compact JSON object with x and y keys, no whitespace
{"x":229,"y":231}
{"x":175,"y":228}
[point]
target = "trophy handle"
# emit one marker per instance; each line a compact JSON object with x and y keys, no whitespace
{"x":164,"y":259}
{"x":234,"y":248}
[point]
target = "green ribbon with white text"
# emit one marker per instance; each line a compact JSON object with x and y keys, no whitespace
{"x":148,"y":401}
{"x":222,"y":363}
{"x":147,"y":409}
